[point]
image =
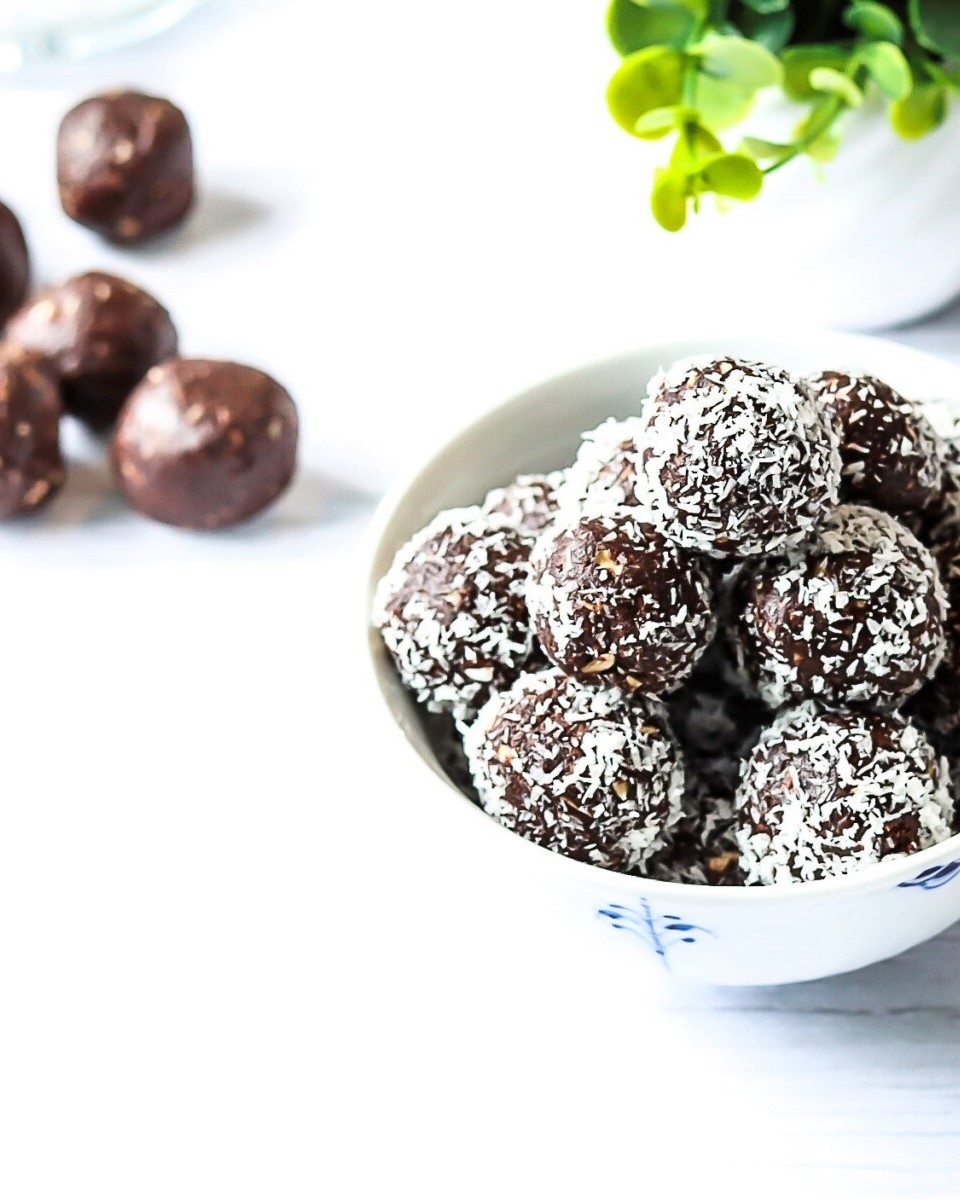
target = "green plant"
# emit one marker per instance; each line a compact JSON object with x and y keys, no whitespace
{"x":691,"y":70}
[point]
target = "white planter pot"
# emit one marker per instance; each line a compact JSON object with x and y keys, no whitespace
{"x":868,"y":241}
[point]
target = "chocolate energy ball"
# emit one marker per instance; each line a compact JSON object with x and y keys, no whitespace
{"x":737,"y":458}
{"x":826,"y":793}
{"x":856,"y":619}
{"x":702,"y":848}
{"x":101,"y":334}
{"x":936,"y":706}
{"x":204,"y":444}
{"x":614,"y":604}
{"x":31,"y":465}
{"x":891,"y":456}
{"x":529,"y":503}
{"x":938,"y":522}
{"x":604,"y":477}
{"x":14,"y":264}
{"x":451,"y":610}
{"x":577,"y":770}
{"x":125,"y":165}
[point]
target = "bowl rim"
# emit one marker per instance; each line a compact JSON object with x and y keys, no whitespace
{"x":875,"y":877}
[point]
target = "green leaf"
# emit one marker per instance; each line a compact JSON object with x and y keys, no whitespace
{"x":739,"y":61}
{"x":888,"y":68}
{"x":874,"y":21}
{"x":695,"y":146}
{"x":720,"y":102}
{"x":658,"y":122}
{"x":648,"y":79}
{"x":835,"y":83}
{"x":761,"y":149}
{"x":800,"y":61}
{"x":921,"y":112}
{"x":772,"y":30}
{"x":936,"y":24}
{"x":767,"y":6}
{"x":669,"y":200}
{"x":733,"y":175}
{"x":633,"y":28}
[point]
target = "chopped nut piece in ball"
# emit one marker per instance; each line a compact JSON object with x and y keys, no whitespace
{"x":31,"y":465}
{"x":614,"y":604}
{"x":891,"y":456}
{"x":452,"y":610}
{"x":204,"y":444}
{"x":826,"y":793}
{"x":578,"y":770}
{"x":101,"y":334}
{"x":856,"y":619}
{"x":125,"y":165}
{"x":737,"y":458}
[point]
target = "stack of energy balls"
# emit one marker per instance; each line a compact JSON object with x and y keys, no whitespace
{"x":722,"y":648}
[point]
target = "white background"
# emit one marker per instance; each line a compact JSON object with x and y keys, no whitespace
{"x":234,"y":961}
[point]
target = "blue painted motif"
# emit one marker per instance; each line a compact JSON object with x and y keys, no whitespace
{"x":933,"y":877}
{"x":660,"y":933}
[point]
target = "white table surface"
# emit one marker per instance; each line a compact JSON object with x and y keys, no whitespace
{"x":234,"y":962}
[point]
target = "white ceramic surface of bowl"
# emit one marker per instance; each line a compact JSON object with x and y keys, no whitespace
{"x":719,"y":935}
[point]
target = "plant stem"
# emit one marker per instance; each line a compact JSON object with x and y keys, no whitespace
{"x":830,"y":113}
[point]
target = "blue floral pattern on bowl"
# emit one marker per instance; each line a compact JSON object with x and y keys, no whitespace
{"x":661,"y":933}
{"x":934,"y":877}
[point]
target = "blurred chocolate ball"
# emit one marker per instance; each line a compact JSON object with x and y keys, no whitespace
{"x":125,"y":165}
{"x":14,"y":264}
{"x":204,"y":444}
{"x":31,"y":465}
{"x":101,"y":334}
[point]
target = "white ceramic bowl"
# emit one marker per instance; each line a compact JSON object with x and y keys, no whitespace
{"x":718,"y":935}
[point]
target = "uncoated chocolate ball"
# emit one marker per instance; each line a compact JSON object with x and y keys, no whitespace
{"x":101,"y":334}
{"x":125,"y":165}
{"x":205,"y":444}
{"x":14,"y":264}
{"x":31,"y":466}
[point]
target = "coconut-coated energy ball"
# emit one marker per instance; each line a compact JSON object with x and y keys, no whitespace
{"x":452,"y":610}
{"x":855,"y":619}
{"x":892,"y":458}
{"x":936,"y":706}
{"x":826,"y":793}
{"x":702,"y":848}
{"x":578,"y":770}
{"x":529,"y":504}
{"x":613,"y":604}
{"x":737,"y":458}
{"x":604,"y":477}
